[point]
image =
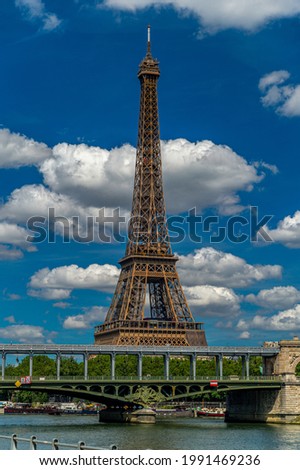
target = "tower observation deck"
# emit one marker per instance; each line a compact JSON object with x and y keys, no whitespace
{"x":148,"y":278}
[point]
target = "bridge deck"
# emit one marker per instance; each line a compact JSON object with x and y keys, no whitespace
{"x":92,"y":349}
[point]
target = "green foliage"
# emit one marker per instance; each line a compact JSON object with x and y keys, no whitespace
{"x":99,"y":366}
{"x":126,"y":366}
{"x":11,"y":371}
{"x":232,"y":366}
{"x":255,"y":366}
{"x":25,"y":396}
{"x":69,"y":367}
{"x":153,"y":366}
{"x":298,"y":369}
{"x":206,"y":367}
{"x":4,"y":395}
{"x":42,"y":366}
{"x":179,"y":367}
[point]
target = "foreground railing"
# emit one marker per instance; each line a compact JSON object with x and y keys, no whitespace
{"x":33,"y":442}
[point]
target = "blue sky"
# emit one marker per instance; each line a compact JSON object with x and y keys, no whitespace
{"x":229,"y":103}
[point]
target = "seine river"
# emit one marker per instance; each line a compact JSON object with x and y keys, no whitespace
{"x":176,"y":433}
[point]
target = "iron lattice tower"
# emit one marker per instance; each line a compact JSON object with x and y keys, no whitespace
{"x":149,"y":263}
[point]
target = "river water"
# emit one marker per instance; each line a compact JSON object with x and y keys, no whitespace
{"x":176,"y":433}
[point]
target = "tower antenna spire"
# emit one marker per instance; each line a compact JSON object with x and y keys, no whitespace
{"x":149,"y":40}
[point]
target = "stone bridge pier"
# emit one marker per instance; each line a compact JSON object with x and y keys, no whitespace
{"x":271,"y":406}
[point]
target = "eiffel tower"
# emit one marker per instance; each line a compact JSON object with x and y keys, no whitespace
{"x":149,"y":265}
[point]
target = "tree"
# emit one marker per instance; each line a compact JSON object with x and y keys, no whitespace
{"x":69,"y":367}
{"x":206,"y":367}
{"x":126,"y":366}
{"x":153,"y":366}
{"x":25,"y":396}
{"x":99,"y":366}
{"x":41,"y":366}
{"x":232,"y":366}
{"x":255,"y":366}
{"x":179,"y":367}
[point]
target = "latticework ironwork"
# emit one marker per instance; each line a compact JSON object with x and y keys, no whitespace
{"x":149,"y":264}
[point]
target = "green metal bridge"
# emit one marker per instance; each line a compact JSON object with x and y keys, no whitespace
{"x":120,"y":391}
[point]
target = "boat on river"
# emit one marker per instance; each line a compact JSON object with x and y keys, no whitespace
{"x":211,"y":413}
{"x":26,"y":408}
{"x":31,"y":410}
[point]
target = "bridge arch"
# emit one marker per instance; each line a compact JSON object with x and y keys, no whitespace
{"x":81,"y":387}
{"x":124,"y":390}
{"x":95,"y":388}
{"x":167,"y":390}
{"x":195,"y":389}
{"x":110,"y":390}
{"x":180,"y":389}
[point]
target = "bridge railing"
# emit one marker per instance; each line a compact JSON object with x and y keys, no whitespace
{"x":136,"y":378}
{"x":55,"y":444}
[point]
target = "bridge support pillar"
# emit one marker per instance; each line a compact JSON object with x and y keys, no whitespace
{"x":86,"y":371}
{"x":112,"y":366}
{"x":265,"y":406}
{"x":167,"y":366}
{"x":140,"y":366}
{"x":30,"y":365}
{"x":58,"y":359}
{"x":3,"y":366}
{"x":219,"y":365}
{"x":115,"y":415}
{"x":245,"y":366}
{"x":193,"y":359}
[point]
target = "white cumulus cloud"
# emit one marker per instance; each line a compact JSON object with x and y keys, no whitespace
{"x":45,"y":214}
{"x":50,"y":293}
{"x":36,"y":199}
{"x":12,"y":234}
{"x":86,"y":320}
{"x":23,"y":333}
{"x":287,"y":231}
{"x":80,"y":180}
{"x":196,"y":174}
{"x":36,"y":10}
{"x":283,"y":321}
{"x":214,"y":267}
{"x":17,"y":150}
{"x":283,"y":97}
{"x":245,"y":335}
{"x":59,"y":282}
{"x":212,"y":301}
{"x":9,"y":253}
{"x":203,"y":174}
{"x":220,"y":14}
{"x":279,"y":297}
{"x":93,"y":175}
